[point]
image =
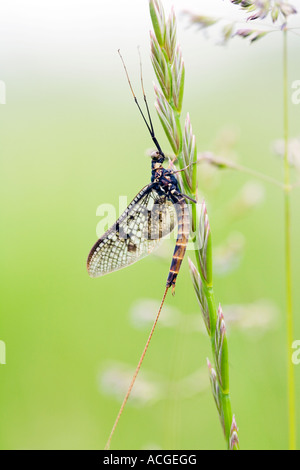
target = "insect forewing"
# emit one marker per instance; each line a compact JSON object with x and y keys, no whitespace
{"x":137,"y":232}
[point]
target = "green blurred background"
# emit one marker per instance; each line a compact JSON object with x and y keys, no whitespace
{"x":71,"y":139}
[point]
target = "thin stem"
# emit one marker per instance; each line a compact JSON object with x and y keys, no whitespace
{"x":294,"y":32}
{"x":288,"y":264}
{"x":241,"y":168}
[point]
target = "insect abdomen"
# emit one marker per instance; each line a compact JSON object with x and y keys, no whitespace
{"x":181,"y":242}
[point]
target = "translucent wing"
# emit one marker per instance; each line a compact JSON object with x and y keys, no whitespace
{"x":138,"y":231}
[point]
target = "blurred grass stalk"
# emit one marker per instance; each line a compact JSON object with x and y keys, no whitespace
{"x":170,"y":72}
{"x":280,"y":11}
{"x":288,"y":264}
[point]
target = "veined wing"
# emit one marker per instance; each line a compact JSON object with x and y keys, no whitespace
{"x":137,"y":232}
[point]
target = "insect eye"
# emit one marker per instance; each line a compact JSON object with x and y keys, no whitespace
{"x":157,"y":157}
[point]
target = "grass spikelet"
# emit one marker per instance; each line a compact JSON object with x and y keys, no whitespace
{"x":183,"y":143}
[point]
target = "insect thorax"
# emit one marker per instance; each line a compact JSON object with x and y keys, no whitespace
{"x":166,"y":182}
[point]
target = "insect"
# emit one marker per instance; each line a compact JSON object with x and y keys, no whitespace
{"x":149,"y":217}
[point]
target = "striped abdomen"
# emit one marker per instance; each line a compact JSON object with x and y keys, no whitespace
{"x":183,"y":219}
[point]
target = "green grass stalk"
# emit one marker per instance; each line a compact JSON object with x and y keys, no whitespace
{"x":169,"y":68}
{"x":288,"y":264}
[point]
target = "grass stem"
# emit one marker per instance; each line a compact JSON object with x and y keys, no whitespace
{"x":288,"y":264}
{"x":243,"y":169}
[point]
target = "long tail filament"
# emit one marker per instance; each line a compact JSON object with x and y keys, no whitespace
{"x":136,"y":371}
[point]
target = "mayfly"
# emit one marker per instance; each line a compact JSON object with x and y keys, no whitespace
{"x":147,"y":220}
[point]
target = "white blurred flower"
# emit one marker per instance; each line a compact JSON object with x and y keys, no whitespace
{"x":293,"y":151}
{"x":256,"y":317}
{"x":227,"y":257}
{"x":142,"y":314}
{"x":116,"y":377}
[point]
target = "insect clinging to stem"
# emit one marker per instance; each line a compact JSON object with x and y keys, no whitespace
{"x":148,"y":218}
